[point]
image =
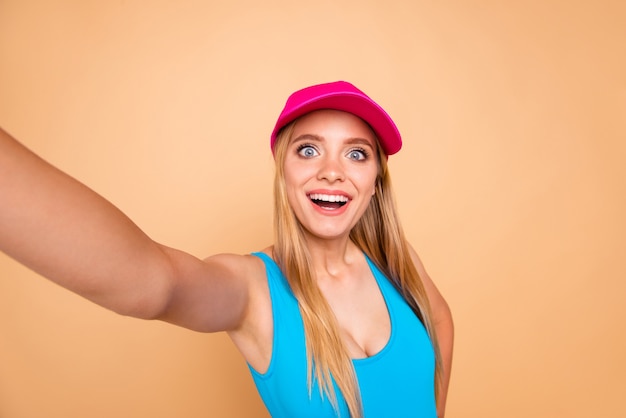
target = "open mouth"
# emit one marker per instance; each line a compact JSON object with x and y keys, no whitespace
{"x":328,"y":201}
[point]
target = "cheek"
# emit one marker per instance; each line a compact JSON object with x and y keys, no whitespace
{"x":296,"y":175}
{"x":294,"y":181}
{"x":289,"y":174}
{"x":291,"y":183}
{"x":367,"y":180}
{"x":372,"y":184}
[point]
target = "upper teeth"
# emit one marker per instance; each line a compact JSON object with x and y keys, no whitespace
{"x":328,"y":197}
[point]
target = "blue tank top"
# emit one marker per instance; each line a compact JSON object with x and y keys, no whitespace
{"x":396,"y":382}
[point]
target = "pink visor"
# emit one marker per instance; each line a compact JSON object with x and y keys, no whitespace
{"x":341,"y":95}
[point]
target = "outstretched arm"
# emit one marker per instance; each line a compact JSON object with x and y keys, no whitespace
{"x":444,"y":326}
{"x":66,"y":232}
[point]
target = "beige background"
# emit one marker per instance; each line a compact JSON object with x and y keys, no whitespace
{"x":511,"y":184}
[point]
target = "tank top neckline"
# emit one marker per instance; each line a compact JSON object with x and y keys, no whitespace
{"x":383,"y":285}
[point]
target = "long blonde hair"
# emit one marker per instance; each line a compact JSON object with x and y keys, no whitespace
{"x":380,"y":236}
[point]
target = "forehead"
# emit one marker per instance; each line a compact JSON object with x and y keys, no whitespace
{"x":333,"y":124}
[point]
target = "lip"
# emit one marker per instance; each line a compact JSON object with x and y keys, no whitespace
{"x":329,"y":212}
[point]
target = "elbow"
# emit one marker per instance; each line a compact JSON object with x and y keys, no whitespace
{"x":149,"y":297}
{"x":148,"y":303}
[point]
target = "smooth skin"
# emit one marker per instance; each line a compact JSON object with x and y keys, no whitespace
{"x":69,"y":234}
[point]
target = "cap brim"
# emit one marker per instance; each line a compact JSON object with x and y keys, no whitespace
{"x":357,"y":104}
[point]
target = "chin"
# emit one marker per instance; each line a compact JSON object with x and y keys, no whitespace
{"x":329,"y":234}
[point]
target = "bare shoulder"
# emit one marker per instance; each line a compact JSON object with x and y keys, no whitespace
{"x":248,"y":273}
{"x":218,"y":293}
{"x":429,"y":285}
{"x":418,"y":264}
{"x":247,"y":267}
{"x":438,"y":303}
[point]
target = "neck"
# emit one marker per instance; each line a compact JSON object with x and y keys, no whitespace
{"x":332,"y":257}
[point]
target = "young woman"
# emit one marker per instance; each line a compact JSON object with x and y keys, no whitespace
{"x":337,"y":318}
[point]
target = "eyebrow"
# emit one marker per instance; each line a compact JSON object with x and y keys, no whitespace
{"x":317,"y":138}
{"x":307,"y":137}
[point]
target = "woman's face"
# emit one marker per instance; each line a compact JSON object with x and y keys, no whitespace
{"x":330,"y":171}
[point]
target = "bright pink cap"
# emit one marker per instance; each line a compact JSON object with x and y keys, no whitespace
{"x":341,"y":95}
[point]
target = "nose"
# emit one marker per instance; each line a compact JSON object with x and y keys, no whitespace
{"x":331,"y":170}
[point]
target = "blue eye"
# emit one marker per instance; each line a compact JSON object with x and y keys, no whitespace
{"x":357,"y":154}
{"x":307,"y":151}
